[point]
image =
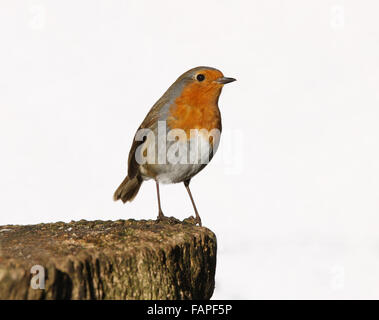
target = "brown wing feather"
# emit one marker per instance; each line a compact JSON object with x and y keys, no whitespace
{"x":149,"y":122}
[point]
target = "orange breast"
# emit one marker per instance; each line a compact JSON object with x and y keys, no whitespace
{"x":196,"y":108}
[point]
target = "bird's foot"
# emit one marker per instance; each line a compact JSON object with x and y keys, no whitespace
{"x":161,"y":217}
{"x":198,"y":221}
{"x":167,"y":220}
{"x":192,"y":220}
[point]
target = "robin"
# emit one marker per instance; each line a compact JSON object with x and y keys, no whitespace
{"x":189,"y":106}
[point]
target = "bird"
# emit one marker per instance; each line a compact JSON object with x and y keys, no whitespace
{"x":189,"y":108}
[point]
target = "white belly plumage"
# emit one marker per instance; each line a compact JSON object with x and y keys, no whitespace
{"x":184,"y":159}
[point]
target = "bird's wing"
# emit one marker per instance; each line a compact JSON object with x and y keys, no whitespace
{"x":149,"y":122}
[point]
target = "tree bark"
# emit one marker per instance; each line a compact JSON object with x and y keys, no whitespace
{"x":124,"y":259}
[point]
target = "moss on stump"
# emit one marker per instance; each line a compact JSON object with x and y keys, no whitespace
{"x":124,"y":259}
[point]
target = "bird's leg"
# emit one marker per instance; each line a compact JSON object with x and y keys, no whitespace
{"x":160,"y":212}
{"x":186,"y":184}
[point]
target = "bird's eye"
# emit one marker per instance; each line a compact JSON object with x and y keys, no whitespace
{"x":200,"y":77}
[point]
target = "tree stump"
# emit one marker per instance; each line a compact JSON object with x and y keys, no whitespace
{"x":124,"y":259}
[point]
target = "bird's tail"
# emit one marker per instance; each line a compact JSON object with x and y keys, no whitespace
{"x":128,"y":189}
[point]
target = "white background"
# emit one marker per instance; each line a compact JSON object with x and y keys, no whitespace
{"x":292,"y":193}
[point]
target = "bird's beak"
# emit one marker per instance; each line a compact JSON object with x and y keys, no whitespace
{"x":225,"y":80}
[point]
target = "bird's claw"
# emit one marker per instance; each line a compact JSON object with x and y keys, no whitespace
{"x":161,"y":218}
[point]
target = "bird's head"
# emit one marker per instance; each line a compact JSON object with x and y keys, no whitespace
{"x":201,"y":84}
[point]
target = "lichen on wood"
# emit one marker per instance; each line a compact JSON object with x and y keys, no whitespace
{"x":124,"y":259}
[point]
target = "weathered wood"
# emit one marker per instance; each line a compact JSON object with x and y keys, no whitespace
{"x":124,"y":259}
